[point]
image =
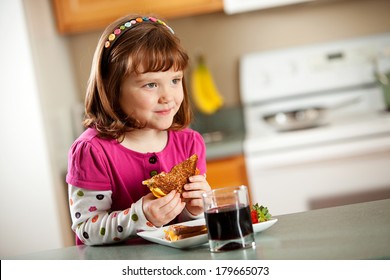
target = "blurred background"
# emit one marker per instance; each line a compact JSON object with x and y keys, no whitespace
{"x":46,"y":56}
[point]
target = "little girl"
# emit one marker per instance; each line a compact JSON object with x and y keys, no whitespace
{"x":137,"y":113}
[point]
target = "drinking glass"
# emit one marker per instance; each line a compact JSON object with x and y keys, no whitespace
{"x":228,"y":219}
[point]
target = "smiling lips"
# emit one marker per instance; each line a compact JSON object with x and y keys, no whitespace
{"x":164,"y":112}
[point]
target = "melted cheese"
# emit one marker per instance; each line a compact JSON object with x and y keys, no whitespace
{"x":157,"y":192}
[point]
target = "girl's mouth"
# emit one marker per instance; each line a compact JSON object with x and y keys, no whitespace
{"x":164,"y":112}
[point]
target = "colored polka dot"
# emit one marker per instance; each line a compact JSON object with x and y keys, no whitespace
{"x":114,"y":215}
{"x":134,"y":217}
{"x":85,"y":234}
{"x":149,"y":224}
{"x":117,"y":239}
{"x":99,"y":197}
{"x":119,"y":228}
{"x":80,"y":193}
{"x":77,"y":215}
{"x":92,"y":209}
{"x":102,"y":231}
{"x":95,"y":218}
{"x":126,"y":211}
{"x":71,"y":202}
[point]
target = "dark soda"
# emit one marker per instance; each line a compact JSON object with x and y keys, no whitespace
{"x":228,"y":222}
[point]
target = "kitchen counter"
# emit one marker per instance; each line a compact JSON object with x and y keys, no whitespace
{"x":231,"y":145}
{"x":223,"y":132}
{"x":355,"y":231}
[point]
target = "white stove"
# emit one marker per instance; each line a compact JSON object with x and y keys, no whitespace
{"x":362,"y":127}
{"x":345,"y":153}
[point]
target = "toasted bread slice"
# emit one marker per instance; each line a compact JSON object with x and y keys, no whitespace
{"x":178,"y":232}
{"x":163,"y":183}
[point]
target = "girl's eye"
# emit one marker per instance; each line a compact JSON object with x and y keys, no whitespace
{"x":151,"y":85}
{"x":176,"y":81}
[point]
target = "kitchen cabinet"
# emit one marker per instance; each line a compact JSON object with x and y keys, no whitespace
{"x":74,"y":16}
{"x":227,"y":172}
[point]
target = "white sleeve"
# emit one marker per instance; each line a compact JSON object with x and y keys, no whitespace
{"x":95,"y":224}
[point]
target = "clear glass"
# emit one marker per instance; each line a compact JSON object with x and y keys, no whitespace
{"x":228,"y":219}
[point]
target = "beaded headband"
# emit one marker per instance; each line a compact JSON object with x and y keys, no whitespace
{"x":117,"y":32}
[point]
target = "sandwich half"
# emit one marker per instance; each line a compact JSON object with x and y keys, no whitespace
{"x":163,"y":183}
{"x":179,"y":232}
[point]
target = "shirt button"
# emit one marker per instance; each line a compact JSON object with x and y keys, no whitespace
{"x":153,"y":160}
{"x":152,"y":173}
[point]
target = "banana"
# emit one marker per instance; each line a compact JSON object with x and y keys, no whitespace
{"x":205,"y":94}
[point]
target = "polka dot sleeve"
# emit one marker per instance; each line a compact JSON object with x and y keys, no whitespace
{"x":95,"y":224}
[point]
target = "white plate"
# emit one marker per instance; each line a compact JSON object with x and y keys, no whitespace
{"x":264,"y":225}
{"x":158,"y":236}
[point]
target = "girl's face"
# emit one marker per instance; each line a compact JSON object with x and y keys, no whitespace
{"x":152,"y":98}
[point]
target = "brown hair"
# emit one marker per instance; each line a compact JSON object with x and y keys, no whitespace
{"x":148,"y":46}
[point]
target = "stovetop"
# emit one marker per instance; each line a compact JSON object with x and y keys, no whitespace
{"x":346,"y":130}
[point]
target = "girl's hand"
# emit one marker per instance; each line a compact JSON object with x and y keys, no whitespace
{"x":162,"y":210}
{"x":193,"y":193}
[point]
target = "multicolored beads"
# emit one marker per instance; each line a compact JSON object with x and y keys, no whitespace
{"x":131,"y":23}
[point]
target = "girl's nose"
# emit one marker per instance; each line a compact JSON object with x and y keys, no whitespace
{"x":165,"y":95}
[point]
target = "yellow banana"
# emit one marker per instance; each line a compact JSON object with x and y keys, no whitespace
{"x":205,"y":94}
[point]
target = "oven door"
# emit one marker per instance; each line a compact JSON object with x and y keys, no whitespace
{"x":318,"y":176}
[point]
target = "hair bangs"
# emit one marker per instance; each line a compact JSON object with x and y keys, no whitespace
{"x":158,"y":55}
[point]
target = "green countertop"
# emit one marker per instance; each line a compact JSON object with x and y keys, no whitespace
{"x":350,"y":232}
{"x":223,"y":132}
{"x":230,"y":146}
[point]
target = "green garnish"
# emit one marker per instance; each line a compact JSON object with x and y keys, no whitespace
{"x":262,"y":213}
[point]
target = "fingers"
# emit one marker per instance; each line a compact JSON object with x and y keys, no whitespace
{"x":162,"y":210}
{"x":174,"y":206}
{"x":197,"y":186}
{"x":197,"y":178}
{"x":165,"y":199}
{"x":192,"y":194}
{"x":195,"y":203}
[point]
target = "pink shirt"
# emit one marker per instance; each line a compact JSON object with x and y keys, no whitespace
{"x":104,"y":164}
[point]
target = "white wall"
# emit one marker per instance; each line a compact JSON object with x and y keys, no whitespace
{"x":223,"y":39}
{"x":36,"y":96}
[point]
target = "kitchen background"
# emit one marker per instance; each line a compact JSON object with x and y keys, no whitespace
{"x":44,"y":78}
